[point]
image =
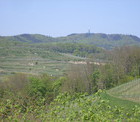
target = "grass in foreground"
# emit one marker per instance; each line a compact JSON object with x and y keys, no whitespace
{"x":114,"y":101}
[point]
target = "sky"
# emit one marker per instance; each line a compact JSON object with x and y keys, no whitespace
{"x":63,"y":17}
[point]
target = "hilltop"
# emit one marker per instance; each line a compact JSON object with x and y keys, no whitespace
{"x":106,"y":41}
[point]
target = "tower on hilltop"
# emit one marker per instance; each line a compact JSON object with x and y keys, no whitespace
{"x":89,"y":31}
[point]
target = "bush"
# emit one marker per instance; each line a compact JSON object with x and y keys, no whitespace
{"x":78,"y":79}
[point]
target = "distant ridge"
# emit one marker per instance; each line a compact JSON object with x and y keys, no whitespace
{"x":107,"y":41}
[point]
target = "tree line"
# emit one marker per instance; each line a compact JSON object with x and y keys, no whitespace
{"x":77,"y":49}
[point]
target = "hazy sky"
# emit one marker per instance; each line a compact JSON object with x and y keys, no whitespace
{"x":63,"y":17}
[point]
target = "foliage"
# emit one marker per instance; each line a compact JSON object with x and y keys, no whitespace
{"x":77,"y":49}
{"x":41,"y":99}
{"x":122,"y":65}
{"x":78,"y":79}
{"x":67,"y":107}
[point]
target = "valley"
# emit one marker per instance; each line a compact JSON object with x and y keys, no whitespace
{"x":80,"y":77}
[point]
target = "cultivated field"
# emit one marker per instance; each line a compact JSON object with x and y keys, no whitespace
{"x":129,"y":91}
{"x":28,"y":59}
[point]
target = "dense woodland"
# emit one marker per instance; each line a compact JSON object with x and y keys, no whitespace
{"x":82,"y":50}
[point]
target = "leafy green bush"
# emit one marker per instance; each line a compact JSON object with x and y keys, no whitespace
{"x":44,"y":86}
{"x":80,"y":107}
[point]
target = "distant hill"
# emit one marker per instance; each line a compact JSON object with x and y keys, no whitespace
{"x":30,"y":38}
{"x":106,"y":41}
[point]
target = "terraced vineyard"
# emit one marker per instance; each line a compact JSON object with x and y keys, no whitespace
{"x":129,"y":91}
{"x":33,"y":60}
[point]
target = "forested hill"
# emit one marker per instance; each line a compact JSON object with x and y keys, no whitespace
{"x":106,"y":41}
{"x":29,"y":38}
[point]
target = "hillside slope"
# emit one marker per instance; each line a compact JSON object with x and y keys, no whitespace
{"x":128,"y":91}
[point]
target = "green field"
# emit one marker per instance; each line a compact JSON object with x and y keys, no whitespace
{"x":128,"y":91}
{"x":27,"y":59}
{"x":36,"y":64}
